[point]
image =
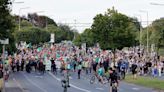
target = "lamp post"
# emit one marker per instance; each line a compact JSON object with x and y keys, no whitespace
{"x":158,"y":4}
{"x":147,"y":29}
{"x":19,"y":16}
{"x":16,"y":3}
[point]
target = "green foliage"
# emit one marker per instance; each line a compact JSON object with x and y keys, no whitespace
{"x":32,"y":35}
{"x":78,"y":41}
{"x":155,"y":33}
{"x":85,"y":37}
{"x":25,"y":23}
{"x":64,"y":33}
{"x":158,"y":26}
{"x":114,"y":30}
{"x":6,"y":24}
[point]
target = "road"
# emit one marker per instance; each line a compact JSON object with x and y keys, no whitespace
{"x":34,"y":82}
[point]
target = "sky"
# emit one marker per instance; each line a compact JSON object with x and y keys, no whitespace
{"x":79,"y":14}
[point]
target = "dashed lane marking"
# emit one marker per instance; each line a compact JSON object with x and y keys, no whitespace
{"x":135,"y":88}
{"x":43,"y":90}
{"x":84,"y":90}
{"x":39,"y":76}
{"x":18,"y":84}
{"x":100,"y":88}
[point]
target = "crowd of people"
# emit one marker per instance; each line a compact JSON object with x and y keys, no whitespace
{"x":65,"y":56}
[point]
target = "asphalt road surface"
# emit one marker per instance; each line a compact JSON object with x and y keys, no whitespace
{"x":49,"y":82}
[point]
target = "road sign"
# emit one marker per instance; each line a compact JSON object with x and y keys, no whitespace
{"x":52,"y":40}
{"x":6,"y":41}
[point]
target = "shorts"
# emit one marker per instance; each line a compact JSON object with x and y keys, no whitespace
{"x":113,"y":82}
{"x":100,"y":74}
{"x":94,"y":68}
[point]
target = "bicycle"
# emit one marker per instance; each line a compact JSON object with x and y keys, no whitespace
{"x":64,"y":85}
{"x":65,"y":81}
{"x":114,"y":87}
{"x":104,"y":78}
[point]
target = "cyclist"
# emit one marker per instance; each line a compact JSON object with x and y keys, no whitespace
{"x":101,"y":72}
{"x":114,"y":77}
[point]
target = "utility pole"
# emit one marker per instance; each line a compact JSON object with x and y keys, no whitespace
{"x":140,"y":19}
{"x":46,"y":24}
{"x":147,"y":15}
{"x":3,"y":60}
{"x":3,"y":42}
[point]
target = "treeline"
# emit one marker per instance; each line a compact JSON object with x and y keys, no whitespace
{"x":36,"y":29}
{"x":114,"y":30}
{"x":33,"y":29}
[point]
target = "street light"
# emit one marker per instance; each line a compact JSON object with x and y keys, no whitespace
{"x":152,"y":3}
{"x":19,"y":15}
{"x":147,"y":29}
{"x":13,"y":2}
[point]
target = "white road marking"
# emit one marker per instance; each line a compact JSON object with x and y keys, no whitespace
{"x":84,"y":90}
{"x":34,"y":83}
{"x":18,"y":84}
{"x":70,"y":78}
{"x":100,"y":88}
{"x":39,"y":76}
{"x":135,"y":88}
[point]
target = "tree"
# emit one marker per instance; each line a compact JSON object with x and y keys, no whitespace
{"x":40,"y":21}
{"x":158,"y":27}
{"x":78,"y":40}
{"x":32,"y":35}
{"x":155,"y":33}
{"x":85,"y":37}
{"x":6,"y":23}
{"x":5,"y":19}
{"x":62,"y":32}
{"x":114,"y":30}
{"x":66,"y":31}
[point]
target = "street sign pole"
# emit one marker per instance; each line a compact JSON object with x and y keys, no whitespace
{"x":3,"y":67}
{"x":6,"y":41}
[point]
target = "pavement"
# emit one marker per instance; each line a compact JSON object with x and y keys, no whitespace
{"x":49,"y":82}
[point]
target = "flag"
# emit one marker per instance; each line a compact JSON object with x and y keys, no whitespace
{"x":28,"y":45}
{"x":39,"y":49}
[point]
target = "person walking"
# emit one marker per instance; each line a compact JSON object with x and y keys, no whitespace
{"x":22,"y":64}
{"x":79,"y":69}
{"x":134,"y":70}
{"x":159,"y":66}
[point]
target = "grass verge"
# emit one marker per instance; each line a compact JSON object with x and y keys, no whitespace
{"x":146,"y":81}
{"x":161,"y":51}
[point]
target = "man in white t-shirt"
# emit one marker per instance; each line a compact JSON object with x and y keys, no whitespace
{"x":159,"y":68}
